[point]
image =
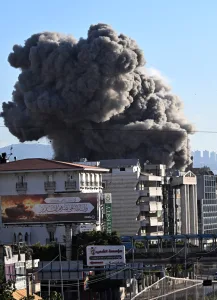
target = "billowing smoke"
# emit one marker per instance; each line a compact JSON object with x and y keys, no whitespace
{"x":93,"y":98}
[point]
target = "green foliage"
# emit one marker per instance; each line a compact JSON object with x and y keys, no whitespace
{"x":55,"y":296}
{"x":139,"y":245}
{"x":6,"y":291}
{"x":28,"y":298}
{"x":47,"y":252}
{"x":85,"y":239}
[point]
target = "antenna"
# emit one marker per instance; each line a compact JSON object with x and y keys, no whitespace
{"x":11,"y":152}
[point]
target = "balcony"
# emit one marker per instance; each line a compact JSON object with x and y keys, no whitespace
{"x":150,"y":192}
{"x":21,"y":187}
{"x":147,"y":177}
{"x":50,"y":185}
{"x":70,"y":185}
{"x":151,"y":221}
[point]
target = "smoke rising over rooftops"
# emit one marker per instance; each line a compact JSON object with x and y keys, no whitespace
{"x":94,"y":98}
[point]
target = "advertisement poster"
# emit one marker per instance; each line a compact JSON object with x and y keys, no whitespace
{"x":105,"y":255}
{"x":58,"y":208}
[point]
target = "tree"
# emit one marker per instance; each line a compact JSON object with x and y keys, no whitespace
{"x":6,"y":291}
{"x":84,"y":239}
{"x":55,"y":296}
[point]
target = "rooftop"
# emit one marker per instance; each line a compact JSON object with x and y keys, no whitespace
{"x":119,"y":163}
{"x":37,"y":164}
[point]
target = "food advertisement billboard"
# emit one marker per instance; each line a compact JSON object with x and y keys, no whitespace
{"x":58,"y":208}
{"x":105,"y":255}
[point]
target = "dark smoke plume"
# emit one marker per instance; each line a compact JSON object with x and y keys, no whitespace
{"x":93,"y":98}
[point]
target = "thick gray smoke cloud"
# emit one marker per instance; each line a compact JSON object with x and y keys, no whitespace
{"x":93,"y":98}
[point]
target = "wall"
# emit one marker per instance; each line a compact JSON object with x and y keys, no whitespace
{"x":122,"y":186}
{"x":35,"y":182}
{"x":36,"y":234}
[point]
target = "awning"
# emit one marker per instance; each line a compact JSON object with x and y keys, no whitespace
{"x":19,"y":294}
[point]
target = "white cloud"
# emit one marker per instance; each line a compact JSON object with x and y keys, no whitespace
{"x":151,"y":71}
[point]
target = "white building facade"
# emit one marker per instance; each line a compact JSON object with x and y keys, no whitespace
{"x":187,"y":183}
{"x":121,"y":181}
{"x":35,"y":177}
{"x":151,"y":199}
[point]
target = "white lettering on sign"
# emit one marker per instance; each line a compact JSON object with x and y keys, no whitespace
{"x":62,"y":200}
{"x":105,"y":255}
{"x":66,"y":208}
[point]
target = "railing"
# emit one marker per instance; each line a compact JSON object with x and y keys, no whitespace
{"x":70,"y":185}
{"x":166,"y":287}
{"x":50,"y":185}
{"x":21,"y":186}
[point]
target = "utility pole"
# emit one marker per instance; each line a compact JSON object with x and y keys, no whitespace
{"x":49,"y":289}
{"x":61,"y":273}
{"x":78,"y":281}
{"x":185,"y":257}
{"x":27,"y":280}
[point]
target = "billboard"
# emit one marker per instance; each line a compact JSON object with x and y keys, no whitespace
{"x":105,"y":255}
{"x":58,"y":208}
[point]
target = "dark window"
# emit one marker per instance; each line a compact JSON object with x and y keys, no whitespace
{"x":122,"y":169}
{"x":26,"y":237}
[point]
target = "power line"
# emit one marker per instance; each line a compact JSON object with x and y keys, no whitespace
{"x":118,"y":129}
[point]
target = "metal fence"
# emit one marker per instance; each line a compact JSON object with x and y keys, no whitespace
{"x":170,"y":288}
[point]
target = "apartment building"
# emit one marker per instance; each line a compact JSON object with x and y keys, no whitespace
{"x":122,"y":181}
{"x":151,"y":199}
{"x":185,"y":186}
{"x":206,"y":200}
{"x":29,"y":186}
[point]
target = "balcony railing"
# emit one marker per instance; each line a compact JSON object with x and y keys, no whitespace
{"x":21,"y":186}
{"x":50,"y":185}
{"x":70,"y":185}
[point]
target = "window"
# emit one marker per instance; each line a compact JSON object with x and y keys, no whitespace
{"x":122,"y":169}
{"x":70,"y":177}
{"x":104,"y":184}
{"x":51,"y":236}
{"x":50,"y":178}
{"x":21,"y":179}
{"x":26,"y":237}
{"x":20,"y":237}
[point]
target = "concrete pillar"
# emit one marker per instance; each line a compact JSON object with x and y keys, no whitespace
{"x":185,"y":209}
{"x":192,"y":209}
{"x":196,"y":209}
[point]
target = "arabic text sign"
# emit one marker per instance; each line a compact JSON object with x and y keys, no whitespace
{"x":105,"y":255}
{"x":66,"y":208}
{"x":60,"y":208}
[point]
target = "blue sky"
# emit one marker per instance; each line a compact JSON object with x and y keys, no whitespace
{"x":178,"y":38}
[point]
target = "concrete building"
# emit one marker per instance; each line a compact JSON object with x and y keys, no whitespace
{"x":121,"y":182}
{"x":207,"y":200}
{"x":38,"y":178}
{"x":151,"y":199}
{"x":16,"y":268}
{"x":186,"y":182}
{"x":166,"y":202}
